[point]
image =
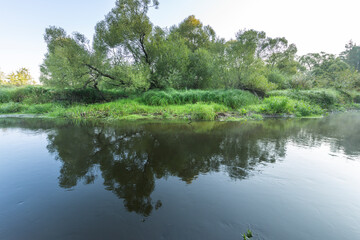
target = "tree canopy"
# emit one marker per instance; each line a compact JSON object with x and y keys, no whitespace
{"x":129,"y":51}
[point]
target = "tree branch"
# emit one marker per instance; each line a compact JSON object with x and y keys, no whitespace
{"x":99,"y":71}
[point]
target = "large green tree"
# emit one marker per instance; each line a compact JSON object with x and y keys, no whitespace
{"x":246,"y":56}
{"x":124,"y":35}
{"x":71,"y":61}
{"x":169,"y":56}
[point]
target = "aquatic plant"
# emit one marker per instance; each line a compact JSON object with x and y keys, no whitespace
{"x":247,"y":235}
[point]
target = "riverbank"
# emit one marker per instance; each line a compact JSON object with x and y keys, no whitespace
{"x":194,"y":105}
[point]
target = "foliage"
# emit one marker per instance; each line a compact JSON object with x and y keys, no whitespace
{"x":328,"y":70}
{"x":247,"y":235}
{"x":170,"y":59}
{"x":132,"y":109}
{"x":286,"y":105}
{"x":2,"y":78}
{"x":280,"y":79}
{"x":303,"y":108}
{"x":39,"y":95}
{"x":124,"y":36}
{"x":231,"y":98}
{"x":278,"y":104}
{"x":352,"y":55}
{"x":322,"y":97}
{"x":195,"y":34}
{"x":18,"y":78}
{"x":40,"y":108}
{"x":130,"y":53}
{"x":302,"y":81}
{"x":202,"y":112}
{"x":247,"y":58}
{"x":10,"y":108}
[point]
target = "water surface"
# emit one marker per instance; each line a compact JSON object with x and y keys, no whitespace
{"x":283,"y":179}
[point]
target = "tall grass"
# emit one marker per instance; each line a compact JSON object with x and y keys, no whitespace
{"x":132,"y":109}
{"x":325,"y":98}
{"x":230,"y":98}
{"x":9,"y":108}
{"x":285,"y":105}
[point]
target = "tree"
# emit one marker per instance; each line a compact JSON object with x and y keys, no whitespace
{"x":246,"y":63}
{"x":329,"y":70}
{"x":195,"y":34}
{"x":20,"y":77}
{"x":352,"y":55}
{"x":169,"y":56}
{"x":284,"y":60}
{"x":200,"y":69}
{"x":72,"y":62}
{"x":65,"y":63}
{"x":124,"y":34}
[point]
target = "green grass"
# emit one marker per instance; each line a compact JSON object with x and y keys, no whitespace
{"x":325,"y":98}
{"x":231,"y":98}
{"x":131,"y":109}
{"x":189,"y":105}
{"x":9,"y":108}
{"x":279,"y":105}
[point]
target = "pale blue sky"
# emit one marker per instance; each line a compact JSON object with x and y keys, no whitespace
{"x":313,"y":25}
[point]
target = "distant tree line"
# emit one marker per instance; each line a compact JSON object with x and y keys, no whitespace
{"x":128,"y":51}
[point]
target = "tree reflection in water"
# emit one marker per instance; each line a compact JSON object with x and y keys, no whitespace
{"x":131,"y":156}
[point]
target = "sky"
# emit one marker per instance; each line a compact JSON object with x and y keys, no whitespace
{"x":313,"y":25}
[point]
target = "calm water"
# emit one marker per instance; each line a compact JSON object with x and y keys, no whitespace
{"x":283,"y":179}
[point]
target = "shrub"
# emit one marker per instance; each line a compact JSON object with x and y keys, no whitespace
{"x":278,"y":104}
{"x":301,"y":81}
{"x":279,"y":79}
{"x":202,"y":112}
{"x":357,"y":99}
{"x":303,"y":109}
{"x":322,"y":97}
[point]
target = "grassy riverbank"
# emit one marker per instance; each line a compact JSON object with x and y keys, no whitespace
{"x":187,"y":105}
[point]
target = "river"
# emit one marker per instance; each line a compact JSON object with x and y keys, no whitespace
{"x":285,"y":179}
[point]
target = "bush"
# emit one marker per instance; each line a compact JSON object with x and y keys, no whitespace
{"x":278,"y":104}
{"x":202,"y":112}
{"x":322,"y":97}
{"x":303,"y":109}
{"x":279,"y":79}
{"x":282,"y":104}
{"x":302,"y":81}
{"x":355,"y":96}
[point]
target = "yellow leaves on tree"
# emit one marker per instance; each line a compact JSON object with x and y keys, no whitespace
{"x":19,"y":78}
{"x":193,"y":22}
